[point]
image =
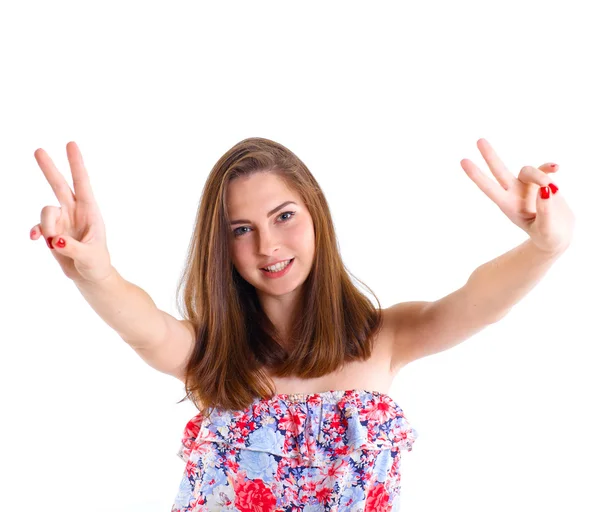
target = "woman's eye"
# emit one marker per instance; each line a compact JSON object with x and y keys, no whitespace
{"x":237,"y":232}
{"x":291,"y":215}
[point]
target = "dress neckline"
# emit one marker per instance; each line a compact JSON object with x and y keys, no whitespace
{"x":325,"y":396}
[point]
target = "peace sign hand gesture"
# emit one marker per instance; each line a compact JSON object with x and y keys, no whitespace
{"x":548,"y":221}
{"x":74,"y":231}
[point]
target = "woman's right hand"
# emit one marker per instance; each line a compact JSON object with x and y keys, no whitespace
{"x":77,"y":221}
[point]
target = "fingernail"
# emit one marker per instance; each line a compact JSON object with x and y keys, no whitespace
{"x":545,"y":192}
{"x":32,"y":234}
{"x":553,"y":187}
{"x":552,"y":165}
{"x":60,"y":243}
{"x":49,"y":242}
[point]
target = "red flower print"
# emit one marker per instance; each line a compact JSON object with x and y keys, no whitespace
{"x":190,"y":468}
{"x":196,"y":502}
{"x":323,"y":495}
{"x":379,"y":410}
{"x":292,"y":421}
{"x":336,"y":470}
{"x":193,"y":427}
{"x":378,"y":500}
{"x":254,"y":496}
{"x":233,"y":465}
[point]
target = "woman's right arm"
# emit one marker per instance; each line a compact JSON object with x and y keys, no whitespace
{"x":161,"y":340}
{"x":76,"y":236}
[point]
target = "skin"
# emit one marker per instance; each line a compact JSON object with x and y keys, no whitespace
{"x":263,"y":240}
{"x":549,"y":224}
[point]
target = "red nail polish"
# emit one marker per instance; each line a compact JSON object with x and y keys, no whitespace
{"x":49,"y":242}
{"x":32,"y":234}
{"x":60,"y":243}
{"x":545,"y":192}
{"x":552,"y":165}
{"x":553,"y":187}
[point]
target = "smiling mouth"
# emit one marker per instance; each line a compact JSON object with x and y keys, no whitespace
{"x":287,"y":265}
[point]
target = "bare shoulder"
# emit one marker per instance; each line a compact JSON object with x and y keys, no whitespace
{"x":400,"y":324}
{"x":404,"y":316}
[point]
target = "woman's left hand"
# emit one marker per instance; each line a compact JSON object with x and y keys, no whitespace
{"x":549,"y":222}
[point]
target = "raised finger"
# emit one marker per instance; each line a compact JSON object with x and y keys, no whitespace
{"x":499,"y":170}
{"x":57,"y":181}
{"x":81,"y":180}
{"x":487,"y":185}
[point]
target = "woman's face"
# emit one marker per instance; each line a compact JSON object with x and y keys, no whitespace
{"x":269,"y":223}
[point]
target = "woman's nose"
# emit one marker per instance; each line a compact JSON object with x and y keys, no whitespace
{"x":267,"y":243}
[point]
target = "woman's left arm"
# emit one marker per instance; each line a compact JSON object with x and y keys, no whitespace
{"x":496,"y":286}
{"x":532,"y":202}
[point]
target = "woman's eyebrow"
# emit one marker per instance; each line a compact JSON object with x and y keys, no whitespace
{"x":274,"y":210}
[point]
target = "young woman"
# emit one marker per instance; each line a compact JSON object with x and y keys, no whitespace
{"x":287,"y":361}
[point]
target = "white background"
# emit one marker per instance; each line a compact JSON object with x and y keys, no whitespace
{"x":381,"y":101}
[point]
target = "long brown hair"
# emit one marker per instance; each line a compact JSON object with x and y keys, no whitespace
{"x":235,"y":340}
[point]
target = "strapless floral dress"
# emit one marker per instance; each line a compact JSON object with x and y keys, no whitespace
{"x":330,"y":451}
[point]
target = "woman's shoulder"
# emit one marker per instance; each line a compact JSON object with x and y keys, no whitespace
{"x":400,"y":324}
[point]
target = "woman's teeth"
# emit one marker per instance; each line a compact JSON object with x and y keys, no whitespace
{"x":279,"y":266}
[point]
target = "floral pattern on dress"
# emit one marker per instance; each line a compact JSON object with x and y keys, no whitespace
{"x":335,"y":451}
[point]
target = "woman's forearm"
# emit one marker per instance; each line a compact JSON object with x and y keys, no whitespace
{"x":126,"y":308}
